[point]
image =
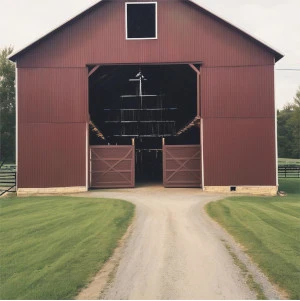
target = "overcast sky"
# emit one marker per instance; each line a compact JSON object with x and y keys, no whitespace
{"x":276,"y":22}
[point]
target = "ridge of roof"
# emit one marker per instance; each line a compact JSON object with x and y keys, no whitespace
{"x":278,"y":55}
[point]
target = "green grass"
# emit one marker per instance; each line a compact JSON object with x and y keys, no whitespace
{"x":52,"y":246}
{"x":269,"y":229}
{"x":287,"y":161}
{"x":292,"y":187}
{"x":8,"y":167}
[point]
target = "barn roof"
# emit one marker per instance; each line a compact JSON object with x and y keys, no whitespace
{"x":13,"y":57}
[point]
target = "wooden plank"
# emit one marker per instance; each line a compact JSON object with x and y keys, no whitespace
{"x":181,"y":165}
{"x":112,"y":166}
{"x":94,"y":70}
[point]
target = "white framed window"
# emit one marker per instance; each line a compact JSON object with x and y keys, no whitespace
{"x":141,"y":20}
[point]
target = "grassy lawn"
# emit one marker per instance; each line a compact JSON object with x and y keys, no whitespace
{"x":269,"y":229}
{"x":283,"y":161}
{"x":52,"y":246}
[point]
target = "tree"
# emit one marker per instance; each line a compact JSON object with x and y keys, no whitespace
{"x":7,"y":106}
{"x":294,"y":124}
{"x":288,"y":123}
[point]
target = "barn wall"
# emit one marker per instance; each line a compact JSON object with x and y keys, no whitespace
{"x":239,"y":151}
{"x":185,"y":34}
{"x":237,"y":92}
{"x":52,"y":127}
{"x":52,"y":95}
{"x":238,"y":126}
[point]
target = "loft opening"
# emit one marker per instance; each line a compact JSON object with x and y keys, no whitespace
{"x":141,"y":20}
{"x":151,"y":104}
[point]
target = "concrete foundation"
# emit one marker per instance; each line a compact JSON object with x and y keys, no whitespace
{"x":51,"y":190}
{"x":253,"y":190}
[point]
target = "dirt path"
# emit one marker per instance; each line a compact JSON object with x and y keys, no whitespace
{"x":174,"y":251}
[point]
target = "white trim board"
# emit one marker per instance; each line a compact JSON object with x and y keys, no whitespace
{"x":202,"y":153}
{"x":126,"y":29}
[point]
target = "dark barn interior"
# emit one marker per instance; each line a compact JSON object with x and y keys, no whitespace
{"x":146,"y":103}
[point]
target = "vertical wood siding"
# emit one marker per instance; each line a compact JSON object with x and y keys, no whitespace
{"x":185,"y":34}
{"x":239,"y":151}
{"x":52,"y":155}
{"x":238,"y":92}
{"x":52,"y":127}
{"x":239,"y":125}
{"x":52,"y":95}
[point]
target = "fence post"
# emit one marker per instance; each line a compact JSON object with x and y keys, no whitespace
{"x":285,"y":172}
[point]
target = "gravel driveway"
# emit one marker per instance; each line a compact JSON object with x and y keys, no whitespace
{"x":174,"y":251}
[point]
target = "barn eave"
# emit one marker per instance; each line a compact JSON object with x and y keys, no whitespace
{"x":277,"y":55}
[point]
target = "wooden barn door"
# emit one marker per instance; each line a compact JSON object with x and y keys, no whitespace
{"x":182,"y":165}
{"x":112,"y":166}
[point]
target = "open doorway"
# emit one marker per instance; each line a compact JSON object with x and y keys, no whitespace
{"x":144,"y":105}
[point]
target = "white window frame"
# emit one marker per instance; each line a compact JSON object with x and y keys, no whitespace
{"x":126,"y":30}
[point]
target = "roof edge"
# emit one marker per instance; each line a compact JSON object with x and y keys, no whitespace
{"x":278,"y":55}
{"x":16,"y":53}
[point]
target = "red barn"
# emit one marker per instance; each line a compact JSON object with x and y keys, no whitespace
{"x":161,"y":91}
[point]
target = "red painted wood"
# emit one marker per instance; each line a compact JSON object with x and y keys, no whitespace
{"x":52,"y":155}
{"x":186,"y":33}
{"x":181,"y":165}
{"x":238,"y":92}
{"x":53,"y":95}
{"x":112,"y":166}
{"x":239,"y":151}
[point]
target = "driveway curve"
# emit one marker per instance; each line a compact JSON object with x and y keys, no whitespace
{"x":174,"y":250}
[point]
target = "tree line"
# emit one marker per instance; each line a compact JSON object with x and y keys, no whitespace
{"x":7,"y":107}
{"x":288,"y":119}
{"x":288,"y":129}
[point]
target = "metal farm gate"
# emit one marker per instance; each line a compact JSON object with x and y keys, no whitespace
{"x":112,"y":166}
{"x":182,"y":165}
